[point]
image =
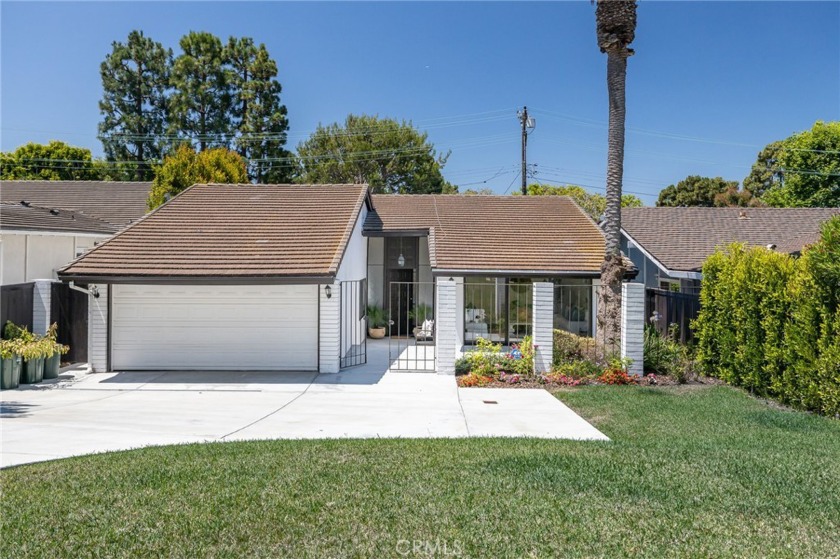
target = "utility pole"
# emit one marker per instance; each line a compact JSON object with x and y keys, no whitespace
{"x":528,"y":123}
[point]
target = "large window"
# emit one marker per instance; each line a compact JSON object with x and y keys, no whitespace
{"x":497,"y":309}
{"x":574,"y":305}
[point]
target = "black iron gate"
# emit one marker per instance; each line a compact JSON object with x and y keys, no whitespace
{"x":411,"y":326}
{"x":353,"y":323}
{"x":69,"y":309}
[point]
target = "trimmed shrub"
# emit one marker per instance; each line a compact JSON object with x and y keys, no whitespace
{"x":771,"y":323}
{"x":570,"y":347}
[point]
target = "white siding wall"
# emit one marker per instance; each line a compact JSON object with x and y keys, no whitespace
{"x":446,"y":326}
{"x":41,"y":299}
{"x":330,"y":336}
{"x":27,"y":257}
{"x":543,"y":330}
{"x":633,"y":325}
{"x":13,"y":257}
{"x":353,"y":267}
{"x":354,"y":263}
{"x":459,"y":313}
{"x":98,"y":330}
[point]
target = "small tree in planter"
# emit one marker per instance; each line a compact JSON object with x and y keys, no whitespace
{"x":376,"y":322}
{"x":10,"y":364}
{"x":31,"y":348}
{"x":55,"y":350}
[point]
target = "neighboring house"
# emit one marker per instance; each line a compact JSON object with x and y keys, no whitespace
{"x":46,"y":224}
{"x":35,"y":242}
{"x":669,"y":245}
{"x":269,"y":277}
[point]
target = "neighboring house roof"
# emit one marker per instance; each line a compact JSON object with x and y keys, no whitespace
{"x":535,"y":234}
{"x":118,"y":203}
{"x":18,"y":217}
{"x":682,"y":238}
{"x":225,"y":230}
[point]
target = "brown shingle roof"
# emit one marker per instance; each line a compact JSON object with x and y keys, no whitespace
{"x":682,"y":238}
{"x":495,"y":233}
{"x":118,"y":203}
{"x":240,"y":230}
{"x":17,"y":217}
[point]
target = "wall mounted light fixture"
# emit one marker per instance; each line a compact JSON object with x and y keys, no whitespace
{"x":328,"y":291}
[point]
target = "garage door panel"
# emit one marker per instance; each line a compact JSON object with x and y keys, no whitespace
{"x":222,"y":328}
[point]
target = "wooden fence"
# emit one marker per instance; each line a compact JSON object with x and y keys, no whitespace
{"x":69,"y":309}
{"x":16,"y":302}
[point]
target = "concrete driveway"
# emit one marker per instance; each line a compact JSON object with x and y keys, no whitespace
{"x":117,"y":411}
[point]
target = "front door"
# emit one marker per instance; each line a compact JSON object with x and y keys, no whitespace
{"x":401,"y":301}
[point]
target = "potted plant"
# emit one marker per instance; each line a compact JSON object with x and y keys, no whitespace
{"x":55,"y":350}
{"x":33,"y":352}
{"x":31,"y":348}
{"x":376,"y":322}
{"x":10,"y":364}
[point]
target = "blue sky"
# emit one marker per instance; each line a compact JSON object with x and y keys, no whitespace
{"x":710,"y":84}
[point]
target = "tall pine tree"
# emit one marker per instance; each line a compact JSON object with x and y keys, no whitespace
{"x":201,"y":100}
{"x":135,"y":79}
{"x":261,"y":119}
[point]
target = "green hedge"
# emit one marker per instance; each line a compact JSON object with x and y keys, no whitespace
{"x":771,"y":323}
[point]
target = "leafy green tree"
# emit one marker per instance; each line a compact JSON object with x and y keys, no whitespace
{"x":479,"y":192}
{"x":185,"y":168}
{"x":135,"y":79}
{"x":391,"y":157}
{"x":53,"y":161}
{"x":810,"y":166}
{"x":593,"y":204}
{"x":201,"y":100}
{"x":765,"y":171}
{"x":260,"y":118}
{"x":695,"y":191}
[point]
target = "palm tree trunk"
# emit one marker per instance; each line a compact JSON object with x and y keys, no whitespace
{"x":612,"y":270}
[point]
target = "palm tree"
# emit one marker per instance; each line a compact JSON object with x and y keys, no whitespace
{"x":616,"y":29}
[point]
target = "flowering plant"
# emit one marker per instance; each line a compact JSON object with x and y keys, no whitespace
{"x":510,"y":378}
{"x":560,"y":378}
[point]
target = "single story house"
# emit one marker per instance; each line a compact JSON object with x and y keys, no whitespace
{"x":44,"y":225}
{"x":277,"y":277}
{"x":669,"y":245}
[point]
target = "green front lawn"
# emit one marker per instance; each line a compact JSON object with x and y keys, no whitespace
{"x":691,"y":471}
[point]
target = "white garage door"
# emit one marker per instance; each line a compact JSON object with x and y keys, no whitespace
{"x":160,"y":327}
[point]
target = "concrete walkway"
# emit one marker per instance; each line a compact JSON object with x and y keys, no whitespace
{"x":117,"y":411}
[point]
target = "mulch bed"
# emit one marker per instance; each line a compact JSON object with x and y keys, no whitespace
{"x":660,"y":380}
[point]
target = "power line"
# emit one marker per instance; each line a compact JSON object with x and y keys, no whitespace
{"x":511,"y":182}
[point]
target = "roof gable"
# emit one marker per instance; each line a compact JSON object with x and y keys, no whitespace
{"x":242,"y":230}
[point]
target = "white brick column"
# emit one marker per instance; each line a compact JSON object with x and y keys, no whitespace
{"x":98,"y":329}
{"x":542,"y":315}
{"x":329,"y":320}
{"x":446,"y":335}
{"x":633,"y":325}
{"x":41,"y":300}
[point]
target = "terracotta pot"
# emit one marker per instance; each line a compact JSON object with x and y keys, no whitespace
{"x":376,"y":333}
